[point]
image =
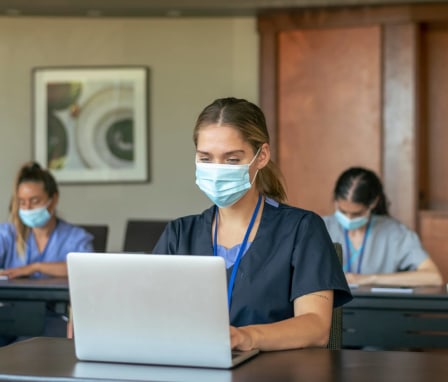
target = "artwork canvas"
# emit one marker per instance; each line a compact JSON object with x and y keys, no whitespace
{"x":91,"y":124}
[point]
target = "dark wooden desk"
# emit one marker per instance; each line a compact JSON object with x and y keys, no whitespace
{"x":397,"y":320}
{"x":53,"y":359}
{"x":23,"y":304}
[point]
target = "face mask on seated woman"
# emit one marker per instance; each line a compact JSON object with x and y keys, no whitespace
{"x":351,"y":224}
{"x":37,"y":217}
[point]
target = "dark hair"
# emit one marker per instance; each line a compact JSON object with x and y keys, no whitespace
{"x":249,"y":120}
{"x":33,"y":172}
{"x":29,"y":172}
{"x":360,"y":185}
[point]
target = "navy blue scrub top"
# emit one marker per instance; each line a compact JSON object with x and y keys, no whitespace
{"x":292,"y":255}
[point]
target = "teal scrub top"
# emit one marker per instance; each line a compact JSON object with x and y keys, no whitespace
{"x":390,"y":247}
{"x":65,"y":238}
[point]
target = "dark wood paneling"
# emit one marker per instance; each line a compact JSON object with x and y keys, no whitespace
{"x":329,"y":109}
{"x":435,"y":78}
{"x":423,"y":131}
{"x":355,"y":16}
{"x":433,"y":224}
{"x":411,"y":155}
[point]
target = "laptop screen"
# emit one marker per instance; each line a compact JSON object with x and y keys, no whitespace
{"x":152,"y":309}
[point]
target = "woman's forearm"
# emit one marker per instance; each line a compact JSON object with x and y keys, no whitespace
{"x":57,"y":269}
{"x":298,"y":332}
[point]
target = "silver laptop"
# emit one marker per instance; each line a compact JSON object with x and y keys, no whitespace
{"x":151,"y":309}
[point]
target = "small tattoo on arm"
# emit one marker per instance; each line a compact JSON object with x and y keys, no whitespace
{"x":320,"y":295}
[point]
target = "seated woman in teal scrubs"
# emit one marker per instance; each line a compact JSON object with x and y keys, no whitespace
{"x":377,"y":248}
{"x":36,"y":242}
{"x":284,"y":277}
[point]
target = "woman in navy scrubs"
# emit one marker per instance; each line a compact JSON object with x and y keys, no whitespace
{"x":284,"y":277}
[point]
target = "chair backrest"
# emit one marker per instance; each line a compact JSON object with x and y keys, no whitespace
{"x":335,"y":340}
{"x":100,"y":233}
{"x":142,"y":235}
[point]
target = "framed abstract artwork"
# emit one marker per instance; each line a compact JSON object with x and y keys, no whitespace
{"x":90,"y":124}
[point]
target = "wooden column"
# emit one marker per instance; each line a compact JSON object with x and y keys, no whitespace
{"x":400,"y":117}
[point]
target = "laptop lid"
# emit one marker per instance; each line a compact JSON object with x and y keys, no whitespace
{"x":151,"y":309}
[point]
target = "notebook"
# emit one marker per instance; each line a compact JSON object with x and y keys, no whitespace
{"x":151,"y":309}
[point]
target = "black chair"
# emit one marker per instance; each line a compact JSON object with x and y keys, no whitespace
{"x":335,"y":340}
{"x":100,"y":234}
{"x":142,"y":235}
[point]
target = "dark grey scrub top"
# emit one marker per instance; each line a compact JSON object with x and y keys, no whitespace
{"x":292,"y":255}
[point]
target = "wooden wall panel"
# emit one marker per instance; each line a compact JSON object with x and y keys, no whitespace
{"x":435,"y":78}
{"x":268,"y":78}
{"x":329,"y":109}
{"x":433,"y":226}
{"x":400,"y":115}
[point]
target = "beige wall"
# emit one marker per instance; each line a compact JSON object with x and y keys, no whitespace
{"x":192,"y":61}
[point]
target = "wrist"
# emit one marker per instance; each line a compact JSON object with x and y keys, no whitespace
{"x":35,"y":267}
{"x":374,"y":279}
{"x":253,"y":334}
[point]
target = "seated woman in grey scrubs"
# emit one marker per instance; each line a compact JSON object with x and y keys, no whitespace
{"x":377,"y":248}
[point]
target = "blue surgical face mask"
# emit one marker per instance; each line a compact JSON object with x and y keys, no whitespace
{"x":224,"y":184}
{"x":37,"y":217}
{"x":350,"y":224}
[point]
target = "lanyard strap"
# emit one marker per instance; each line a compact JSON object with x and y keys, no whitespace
{"x":241,"y":250}
{"x":360,"y":253}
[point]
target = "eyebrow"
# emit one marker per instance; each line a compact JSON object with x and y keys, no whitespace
{"x":350,"y":212}
{"x":228,"y":153}
{"x":30,"y":198}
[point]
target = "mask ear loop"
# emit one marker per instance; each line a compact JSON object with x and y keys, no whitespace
{"x":255,"y":156}
{"x":251,"y":162}
{"x":255,"y":176}
{"x":53,"y":212}
{"x":48,"y":205}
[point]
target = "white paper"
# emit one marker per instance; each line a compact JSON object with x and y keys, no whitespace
{"x":392,"y":290}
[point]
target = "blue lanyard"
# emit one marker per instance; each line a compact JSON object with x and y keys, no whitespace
{"x":360,"y":253}
{"x":240,"y":252}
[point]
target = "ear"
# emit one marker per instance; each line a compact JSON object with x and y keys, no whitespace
{"x":375,"y":202}
{"x":264,"y":156}
{"x":54,"y":201}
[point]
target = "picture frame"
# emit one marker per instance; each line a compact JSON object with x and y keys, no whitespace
{"x":90,"y":124}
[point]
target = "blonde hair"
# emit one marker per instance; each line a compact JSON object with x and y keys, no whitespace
{"x":249,"y":120}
